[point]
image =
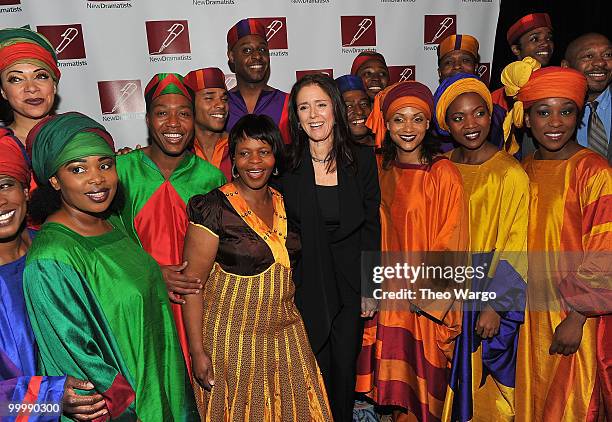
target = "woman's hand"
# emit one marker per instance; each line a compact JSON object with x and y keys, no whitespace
{"x":179,"y":284}
{"x":79,"y":407}
{"x":202,"y":370}
{"x":369,"y":306}
{"x":487,"y":325}
{"x":568,"y":335}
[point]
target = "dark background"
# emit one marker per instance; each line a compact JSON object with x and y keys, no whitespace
{"x":570,"y":18}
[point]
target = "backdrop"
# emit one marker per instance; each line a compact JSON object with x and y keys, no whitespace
{"x":108,"y":50}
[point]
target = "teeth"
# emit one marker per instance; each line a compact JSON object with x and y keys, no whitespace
{"x":472,"y":136}
{"x":316,"y":125}
{"x":408,"y":138}
{"x":6,"y":216}
{"x":256,"y":66}
{"x":554,"y":136}
{"x":375,"y":88}
{"x":173,"y":135}
{"x":218,"y":116}
{"x":358,"y":122}
{"x":597,"y":75}
{"x":97,"y":195}
{"x":542,"y":53}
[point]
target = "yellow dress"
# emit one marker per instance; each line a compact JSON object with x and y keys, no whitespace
{"x":570,"y":239}
{"x":263,"y":365}
{"x":482,"y":381}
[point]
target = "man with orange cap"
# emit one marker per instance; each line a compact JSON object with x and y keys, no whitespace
{"x":211,"y":111}
{"x":565,"y":346}
{"x":457,"y":54}
{"x":249,"y":59}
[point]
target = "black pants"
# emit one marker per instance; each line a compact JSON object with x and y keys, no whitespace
{"x":338,"y":357}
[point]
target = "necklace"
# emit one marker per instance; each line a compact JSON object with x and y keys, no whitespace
{"x":318,"y":160}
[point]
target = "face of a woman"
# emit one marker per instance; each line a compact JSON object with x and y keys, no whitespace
{"x":13,"y":206}
{"x":407,"y":128}
{"x":254,"y":161}
{"x":553,"y":122}
{"x":315,"y":112}
{"x":29,"y":89}
{"x":87,"y":185}
{"x":469,"y":120}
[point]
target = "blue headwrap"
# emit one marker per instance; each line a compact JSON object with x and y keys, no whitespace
{"x":350,"y":83}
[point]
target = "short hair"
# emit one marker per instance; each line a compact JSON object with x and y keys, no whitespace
{"x":262,"y":128}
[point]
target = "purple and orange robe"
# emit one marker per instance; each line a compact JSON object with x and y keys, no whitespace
{"x":19,"y":383}
{"x":220,"y":157}
{"x":482,"y":381}
{"x":273,"y":103}
{"x":405,"y":357}
{"x":570,"y":268}
{"x":154,"y":210}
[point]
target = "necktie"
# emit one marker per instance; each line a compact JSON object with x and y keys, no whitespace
{"x":596,"y":132}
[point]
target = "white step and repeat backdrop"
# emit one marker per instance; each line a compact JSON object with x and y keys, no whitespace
{"x":108,"y":50}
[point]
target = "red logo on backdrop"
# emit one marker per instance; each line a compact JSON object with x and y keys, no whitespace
{"x":66,"y":39}
{"x":402,"y":73}
{"x":119,"y":97}
{"x":438,"y":27}
{"x":299,"y":74}
{"x":9,"y":2}
{"x":358,"y":31}
{"x":484,"y":72}
{"x":276,"y":32}
{"x":168,"y":37}
{"x":230,"y":80}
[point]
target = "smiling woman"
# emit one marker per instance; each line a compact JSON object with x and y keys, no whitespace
{"x":28,"y":77}
{"x":78,"y":263}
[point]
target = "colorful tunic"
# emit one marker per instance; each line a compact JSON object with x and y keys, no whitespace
{"x":154,"y":211}
{"x":405,"y":358}
{"x":18,"y":383}
{"x":99,"y":310}
{"x":273,"y":103}
{"x":570,"y":216}
{"x":220,"y":158}
{"x":263,"y":364}
{"x":483,"y":371}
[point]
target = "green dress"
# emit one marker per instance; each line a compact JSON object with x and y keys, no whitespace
{"x":99,"y":310}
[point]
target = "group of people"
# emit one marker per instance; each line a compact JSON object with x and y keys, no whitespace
{"x":223,"y":271}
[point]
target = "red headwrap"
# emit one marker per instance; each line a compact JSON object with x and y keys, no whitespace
{"x":243,"y":28}
{"x":25,"y":52}
{"x":526,"y":24}
{"x":13,"y":158}
{"x":210,"y":77}
{"x":366,"y":56}
{"x":395,"y":97}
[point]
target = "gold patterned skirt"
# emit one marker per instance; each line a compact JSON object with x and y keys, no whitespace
{"x":264,"y":368}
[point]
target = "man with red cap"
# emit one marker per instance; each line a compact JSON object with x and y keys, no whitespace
{"x":249,"y":58}
{"x":211,"y":111}
{"x":457,"y":54}
{"x":371,"y":67}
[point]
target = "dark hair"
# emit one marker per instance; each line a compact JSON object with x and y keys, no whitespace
{"x":45,"y":200}
{"x":341,"y":153}
{"x":430,"y":147}
{"x":262,"y":128}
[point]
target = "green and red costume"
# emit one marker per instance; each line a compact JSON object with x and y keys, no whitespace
{"x":154,"y":212}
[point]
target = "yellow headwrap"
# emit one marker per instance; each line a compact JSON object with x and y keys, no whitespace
{"x":453,"y":87}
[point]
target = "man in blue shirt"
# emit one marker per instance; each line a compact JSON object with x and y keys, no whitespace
{"x":591,"y":54}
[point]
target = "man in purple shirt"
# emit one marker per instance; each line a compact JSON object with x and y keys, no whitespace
{"x":249,"y":59}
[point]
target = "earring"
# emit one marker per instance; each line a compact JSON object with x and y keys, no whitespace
{"x":235,"y":174}
{"x":275,"y":171}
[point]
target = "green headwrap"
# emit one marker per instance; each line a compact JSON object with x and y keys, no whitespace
{"x":59,"y":139}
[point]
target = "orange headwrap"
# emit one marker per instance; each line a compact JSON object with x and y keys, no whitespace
{"x":458,"y":42}
{"x":527,"y":83}
{"x":393,"y":98}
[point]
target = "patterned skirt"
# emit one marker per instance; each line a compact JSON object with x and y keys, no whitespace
{"x":264,"y":368}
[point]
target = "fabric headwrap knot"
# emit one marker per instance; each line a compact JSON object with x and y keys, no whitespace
{"x":14,"y":161}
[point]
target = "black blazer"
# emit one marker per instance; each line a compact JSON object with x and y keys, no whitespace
{"x":330,"y":259}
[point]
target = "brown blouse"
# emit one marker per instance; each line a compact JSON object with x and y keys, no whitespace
{"x":241,"y":250}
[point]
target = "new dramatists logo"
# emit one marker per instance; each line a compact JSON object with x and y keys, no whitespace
{"x":168,"y":37}
{"x":108,"y":4}
{"x":484,"y":72}
{"x":438,"y":27}
{"x":299,"y":74}
{"x":230,"y":80}
{"x":15,"y":3}
{"x":67,"y":41}
{"x":402,"y":73}
{"x":357,"y":31}
{"x":120,"y":98}
{"x":276,"y":32}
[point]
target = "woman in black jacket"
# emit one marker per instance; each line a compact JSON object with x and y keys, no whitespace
{"x":331,"y":193}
